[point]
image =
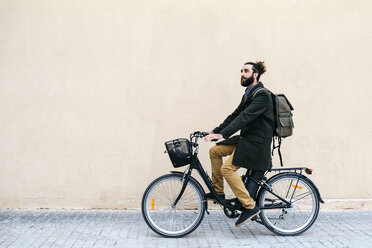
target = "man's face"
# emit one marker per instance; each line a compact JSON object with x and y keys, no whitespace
{"x":248,"y":75}
{"x":246,"y":72}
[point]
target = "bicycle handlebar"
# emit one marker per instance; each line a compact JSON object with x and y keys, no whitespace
{"x":200,"y":134}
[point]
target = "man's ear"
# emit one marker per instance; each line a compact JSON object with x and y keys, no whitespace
{"x":256,"y":75}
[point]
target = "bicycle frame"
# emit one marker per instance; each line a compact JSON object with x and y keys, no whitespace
{"x":234,"y":204}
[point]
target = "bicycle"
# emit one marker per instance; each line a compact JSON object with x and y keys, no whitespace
{"x":173,"y":205}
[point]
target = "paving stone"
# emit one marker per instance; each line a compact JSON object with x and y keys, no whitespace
{"x":126,"y":228}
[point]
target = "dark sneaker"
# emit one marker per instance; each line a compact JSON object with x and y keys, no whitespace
{"x":246,"y":215}
{"x":210,"y":196}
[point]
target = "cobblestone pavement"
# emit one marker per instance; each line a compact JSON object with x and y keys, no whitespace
{"x":126,"y":228}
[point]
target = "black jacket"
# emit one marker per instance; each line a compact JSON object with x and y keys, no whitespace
{"x":254,"y":117}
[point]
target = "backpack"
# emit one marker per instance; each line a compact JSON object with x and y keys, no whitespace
{"x":283,"y":120}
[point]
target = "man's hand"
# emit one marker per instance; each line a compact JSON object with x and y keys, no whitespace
{"x":212,"y":136}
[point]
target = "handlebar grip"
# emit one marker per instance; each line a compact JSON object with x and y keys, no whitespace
{"x":204,"y":134}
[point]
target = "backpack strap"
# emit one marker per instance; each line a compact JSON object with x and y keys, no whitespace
{"x":258,"y":90}
{"x":278,"y":146}
{"x":279,"y":152}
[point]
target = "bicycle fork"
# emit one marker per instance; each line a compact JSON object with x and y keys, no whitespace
{"x":185,"y":181}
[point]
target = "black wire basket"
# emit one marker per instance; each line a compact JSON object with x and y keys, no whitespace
{"x":179,"y":152}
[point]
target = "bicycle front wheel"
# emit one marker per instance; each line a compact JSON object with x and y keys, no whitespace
{"x":304,"y":204}
{"x":162,"y":217}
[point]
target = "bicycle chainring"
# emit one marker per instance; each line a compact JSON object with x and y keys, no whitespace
{"x":231,"y":214}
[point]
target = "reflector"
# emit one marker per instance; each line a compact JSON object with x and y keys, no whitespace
{"x":298,"y":187}
{"x":152,"y":204}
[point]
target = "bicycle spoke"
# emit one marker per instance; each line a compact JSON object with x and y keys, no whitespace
{"x":306,"y":194}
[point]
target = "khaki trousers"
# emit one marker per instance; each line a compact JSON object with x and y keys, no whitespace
{"x":228,"y":171}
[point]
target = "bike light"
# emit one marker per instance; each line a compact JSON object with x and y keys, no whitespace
{"x":153,"y":204}
{"x":309,"y":171}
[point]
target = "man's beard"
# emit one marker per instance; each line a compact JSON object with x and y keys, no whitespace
{"x":247,"y":81}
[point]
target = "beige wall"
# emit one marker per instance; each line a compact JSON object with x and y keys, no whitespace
{"x":90,"y":90}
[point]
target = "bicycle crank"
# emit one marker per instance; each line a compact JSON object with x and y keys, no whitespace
{"x":231,"y":214}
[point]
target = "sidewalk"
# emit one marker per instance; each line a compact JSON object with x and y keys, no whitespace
{"x":126,"y":228}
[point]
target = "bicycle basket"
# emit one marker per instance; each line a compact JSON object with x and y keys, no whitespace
{"x":179,"y":151}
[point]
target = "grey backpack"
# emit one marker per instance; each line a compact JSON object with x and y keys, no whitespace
{"x":282,"y":118}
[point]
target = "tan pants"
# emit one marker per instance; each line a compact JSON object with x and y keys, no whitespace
{"x":228,"y":171}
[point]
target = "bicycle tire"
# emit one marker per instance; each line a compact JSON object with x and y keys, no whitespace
{"x":159,"y":214}
{"x":304,"y":210}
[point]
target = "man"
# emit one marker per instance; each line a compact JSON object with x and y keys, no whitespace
{"x":251,"y":149}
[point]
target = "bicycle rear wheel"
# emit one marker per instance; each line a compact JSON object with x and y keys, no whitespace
{"x":303,"y":210}
{"x":170,"y":221}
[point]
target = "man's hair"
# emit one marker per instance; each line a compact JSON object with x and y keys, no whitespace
{"x":258,"y":67}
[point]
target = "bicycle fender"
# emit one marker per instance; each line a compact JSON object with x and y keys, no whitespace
{"x":294,"y":174}
{"x":315,"y":187}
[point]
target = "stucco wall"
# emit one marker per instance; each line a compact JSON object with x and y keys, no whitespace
{"x":90,"y":90}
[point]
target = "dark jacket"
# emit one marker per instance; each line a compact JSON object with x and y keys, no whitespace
{"x":254,"y":118}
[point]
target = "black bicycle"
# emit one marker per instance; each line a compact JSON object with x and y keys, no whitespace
{"x":174,"y":204}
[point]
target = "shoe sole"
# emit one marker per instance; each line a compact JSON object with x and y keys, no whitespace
{"x":244,"y":222}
